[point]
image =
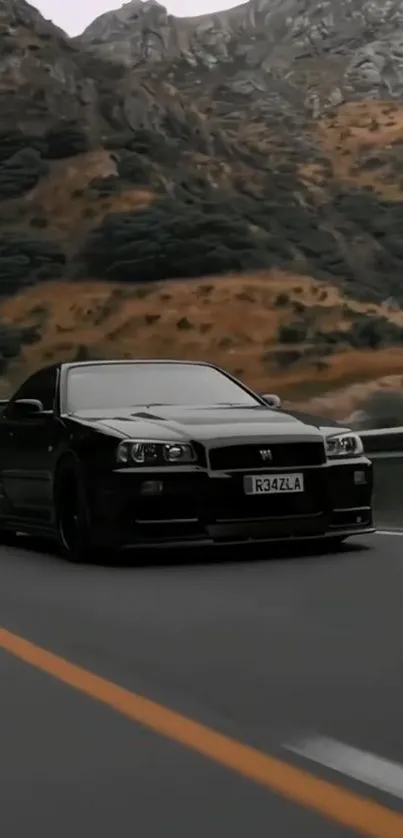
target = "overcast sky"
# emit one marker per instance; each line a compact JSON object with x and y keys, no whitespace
{"x":73,"y":16}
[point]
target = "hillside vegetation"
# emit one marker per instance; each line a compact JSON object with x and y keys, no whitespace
{"x":192,"y":203}
{"x":280,"y":332}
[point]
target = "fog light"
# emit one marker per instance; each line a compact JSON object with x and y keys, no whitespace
{"x":151,"y":487}
{"x":360,"y":478}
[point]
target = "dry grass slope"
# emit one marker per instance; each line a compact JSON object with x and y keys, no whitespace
{"x":68,"y":204}
{"x":363,"y":142}
{"x":231,"y":320}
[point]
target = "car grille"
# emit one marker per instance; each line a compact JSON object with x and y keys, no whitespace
{"x":284,"y":455}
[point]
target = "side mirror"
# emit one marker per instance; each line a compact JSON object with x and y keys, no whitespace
{"x":27,"y":407}
{"x":272,"y":400}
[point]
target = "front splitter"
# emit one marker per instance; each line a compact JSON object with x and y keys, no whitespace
{"x":205,"y":542}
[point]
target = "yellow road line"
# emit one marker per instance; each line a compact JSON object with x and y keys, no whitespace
{"x":337,"y":804}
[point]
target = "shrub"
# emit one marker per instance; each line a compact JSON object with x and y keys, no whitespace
{"x":374,"y":161}
{"x":172,"y":240}
{"x":281,"y":300}
{"x":65,"y":139}
{"x":12,"y":142}
{"x":89,"y":212}
{"x":24,"y":259}
{"x":184,"y":324}
{"x":327,"y":339}
{"x":134,"y":168}
{"x":39,"y":222}
{"x":374,"y":333}
{"x":10,"y":342}
{"x":141,"y":141}
{"x":292,"y":332}
{"x":21,"y":172}
{"x":226,"y":342}
{"x":105,"y":185}
{"x":12,"y":338}
{"x":30,"y":335}
{"x":286,"y":357}
{"x":382,"y":409}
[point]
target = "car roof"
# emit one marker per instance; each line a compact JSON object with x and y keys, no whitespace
{"x":138,"y":361}
{"x":66,"y":365}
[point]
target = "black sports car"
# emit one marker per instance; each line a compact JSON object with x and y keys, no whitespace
{"x":110,"y":455}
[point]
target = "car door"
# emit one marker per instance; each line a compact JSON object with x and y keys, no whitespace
{"x":27,"y":450}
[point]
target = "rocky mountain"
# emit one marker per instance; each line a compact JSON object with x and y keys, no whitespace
{"x":265,"y":138}
{"x":324,"y":50}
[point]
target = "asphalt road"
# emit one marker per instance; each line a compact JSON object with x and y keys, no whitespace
{"x":268,"y":652}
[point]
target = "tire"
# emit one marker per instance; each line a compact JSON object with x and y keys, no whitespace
{"x":8,"y":538}
{"x":74,"y":536}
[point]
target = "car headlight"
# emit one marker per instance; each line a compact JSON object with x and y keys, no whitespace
{"x":143,"y":452}
{"x":343,"y":445}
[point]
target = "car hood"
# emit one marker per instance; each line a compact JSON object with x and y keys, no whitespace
{"x":207,"y":424}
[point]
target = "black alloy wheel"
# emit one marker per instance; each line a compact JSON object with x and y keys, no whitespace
{"x":73,"y":529}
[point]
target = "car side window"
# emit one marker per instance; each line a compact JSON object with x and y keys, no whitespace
{"x":41,"y":386}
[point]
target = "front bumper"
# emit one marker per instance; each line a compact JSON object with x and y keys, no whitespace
{"x":199,"y":508}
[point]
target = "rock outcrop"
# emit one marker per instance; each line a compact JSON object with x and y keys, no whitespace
{"x":327,"y":50}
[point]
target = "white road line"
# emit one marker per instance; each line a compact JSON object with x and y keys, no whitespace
{"x":360,"y":765}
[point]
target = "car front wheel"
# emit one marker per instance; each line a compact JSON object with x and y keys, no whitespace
{"x":75,"y":537}
{"x":8,"y":538}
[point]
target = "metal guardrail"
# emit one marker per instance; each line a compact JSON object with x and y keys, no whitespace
{"x":383,"y":441}
{"x":384,"y":446}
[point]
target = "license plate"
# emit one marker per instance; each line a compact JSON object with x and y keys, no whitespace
{"x":273,"y":484}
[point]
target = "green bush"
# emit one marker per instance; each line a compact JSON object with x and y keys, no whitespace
{"x":64,"y":139}
{"x":172,"y":240}
{"x":12,"y":142}
{"x":133,"y":168}
{"x":382,"y":409}
{"x":287,"y":357}
{"x":12,"y":339}
{"x":104,"y":186}
{"x":327,"y":339}
{"x":184,"y":324}
{"x":21,"y":172}
{"x":282,"y":300}
{"x":296,"y":332}
{"x":374,"y":333}
{"x":39,"y":222}
{"x":24,"y":260}
{"x":10,"y":342}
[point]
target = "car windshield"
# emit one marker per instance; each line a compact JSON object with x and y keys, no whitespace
{"x":106,"y":386}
